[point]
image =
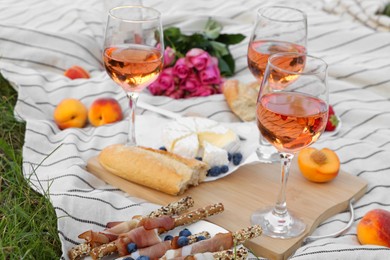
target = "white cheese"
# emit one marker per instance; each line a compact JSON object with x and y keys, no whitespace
{"x":187,"y":146}
{"x":213,"y":155}
{"x":188,"y":136}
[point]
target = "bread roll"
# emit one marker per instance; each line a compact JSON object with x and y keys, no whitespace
{"x":242,"y":98}
{"x":159,"y":170}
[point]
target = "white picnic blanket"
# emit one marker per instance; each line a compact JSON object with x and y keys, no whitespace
{"x":41,"y":39}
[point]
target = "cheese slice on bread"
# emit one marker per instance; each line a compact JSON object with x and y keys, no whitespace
{"x":156,"y":169}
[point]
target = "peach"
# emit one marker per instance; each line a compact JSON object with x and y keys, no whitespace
{"x":76,"y":72}
{"x":70,"y":112}
{"x":104,"y":111}
{"x":318,"y":165}
{"x":374,"y":228}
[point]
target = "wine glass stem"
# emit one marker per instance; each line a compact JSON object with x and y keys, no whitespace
{"x":133,"y":97}
{"x":281,"y":205}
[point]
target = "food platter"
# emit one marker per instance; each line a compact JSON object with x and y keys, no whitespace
{"x":253,"y":186}
{"x":247,"y":132}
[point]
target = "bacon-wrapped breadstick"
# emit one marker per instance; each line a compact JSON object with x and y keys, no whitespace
{"x":147,"y":234}
{"x":158,"y":250}
{"x":95,"y":239}
{"x":221,"y":241}
{"x":231,"y":254}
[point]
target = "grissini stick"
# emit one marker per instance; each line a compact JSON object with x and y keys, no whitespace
{"x":231,"y":254}
{"x":147,"y":235}
{"x":219,"y":242}
{"x":94,"y":239}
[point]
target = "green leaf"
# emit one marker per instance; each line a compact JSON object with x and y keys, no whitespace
{"x":220,"y":49}
{"x":387,"y":10}
{"x":212,"y":29}
{"x":230,"y":39}
{"x":224,"y":68}
{"x":230,"y":62}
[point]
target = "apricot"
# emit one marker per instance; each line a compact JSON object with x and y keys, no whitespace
{"x":374,"y":228}
{"x":318,"y":165}
{"x":70,"y":112}
{"x":76,"y":72}
{"x":104,"y":111}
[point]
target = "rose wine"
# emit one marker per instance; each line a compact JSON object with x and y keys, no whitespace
{"x":133,"y":67}
{"x":259,"y":51}
{"x":291,"y":121}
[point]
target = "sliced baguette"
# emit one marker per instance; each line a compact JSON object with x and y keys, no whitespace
{"x":156,"y":169}
{"x":241,"y":98}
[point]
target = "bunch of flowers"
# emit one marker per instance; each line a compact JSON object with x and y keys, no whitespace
{"x":195,"y":65}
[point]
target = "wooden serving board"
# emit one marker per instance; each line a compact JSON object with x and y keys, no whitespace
{"x":252,"y":187}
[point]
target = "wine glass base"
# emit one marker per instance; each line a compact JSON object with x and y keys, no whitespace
{"x":267,"y":155}
{"x":286,"y":226}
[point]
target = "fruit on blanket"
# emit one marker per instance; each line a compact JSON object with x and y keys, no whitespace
{"x":104,"y":111}
{"x":318,"y":165}
{"x":333,"y":121}
{"x":70,"y":112}
{"x":374,"y":228}
{"x":76,"y":72}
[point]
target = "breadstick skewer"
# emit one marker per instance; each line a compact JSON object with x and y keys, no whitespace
{"x":94,"y":239}
{"x":157,"y":250}
{"x":231,"y":254}
{"x":221,"y":241}
{"x":147,"y":235}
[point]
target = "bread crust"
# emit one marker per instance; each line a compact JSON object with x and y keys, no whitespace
{"x":241,"y":98}
{"x":157,"y":169}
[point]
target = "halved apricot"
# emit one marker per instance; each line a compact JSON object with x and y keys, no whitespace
{"x":318,"y":165}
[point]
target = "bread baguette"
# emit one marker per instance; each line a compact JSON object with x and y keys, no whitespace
{"x":242,"y":98}
{"x":157,"y":169}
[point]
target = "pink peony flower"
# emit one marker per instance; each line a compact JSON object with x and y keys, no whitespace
{"x":191,"y":83}
{"x":169,"y":56}
{"x":164,"y":82}
{"x":202,"y":91}
{"x":181,"y":70}
{"x":211,"y":75}
{"x":198,"y":58}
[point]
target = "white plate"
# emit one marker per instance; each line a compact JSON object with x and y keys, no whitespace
{"x":149,"y":128}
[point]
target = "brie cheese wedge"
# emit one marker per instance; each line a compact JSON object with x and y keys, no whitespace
{"x":195,"y":136}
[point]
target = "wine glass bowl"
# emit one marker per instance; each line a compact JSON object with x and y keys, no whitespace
{"x":291,"y":114}
{"x":133,"y":52}
{"x":277,"y":29}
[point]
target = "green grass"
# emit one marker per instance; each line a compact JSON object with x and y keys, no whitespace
{"x":28,"y":224}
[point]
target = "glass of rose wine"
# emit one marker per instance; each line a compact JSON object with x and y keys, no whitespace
{"x":277,"y":29}
{"x":133,"y":52}
{"x":292,"y":110}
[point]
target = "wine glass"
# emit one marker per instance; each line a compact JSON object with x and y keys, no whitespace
{"x":133,"y":52}
{"x":277,"y":29}
{"x":292,"y":110}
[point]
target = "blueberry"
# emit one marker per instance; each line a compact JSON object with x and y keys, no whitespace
{"x":224,"y":169}
{"x":162,"y":148}
{"x":182,"y":241}
{"x":131,"y":247}
{"x":199,"y":238}
{"x":128,"y":258}
{"x":237,"y":157}
{"x":198,"y":158}
{"x":168,"y":237}
{"x":214,"y":171}
{"x":185,"y":232}
{"x":143,"y":257}
{"x":229,"y":157}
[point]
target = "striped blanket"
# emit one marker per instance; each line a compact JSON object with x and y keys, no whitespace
{"x":41,"y":39}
